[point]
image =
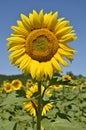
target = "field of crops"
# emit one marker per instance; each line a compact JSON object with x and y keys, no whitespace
{"x":68,"y":109}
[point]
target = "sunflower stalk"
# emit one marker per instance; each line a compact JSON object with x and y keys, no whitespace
{"x":39,"y":107}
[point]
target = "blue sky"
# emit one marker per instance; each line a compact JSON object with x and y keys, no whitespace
{"x":73,"y":10}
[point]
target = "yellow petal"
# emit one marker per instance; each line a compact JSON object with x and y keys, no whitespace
{"x":12,"y":44}
{"x":60,"y":59}
{"x":17,"y":35}
{"x":53,"y":21}
{"x":56,"y":65}
{"x":46,"y":19}
{"x":17,"y":53}
{"x":68,"y":38}
{"x":18,"y":60}
{"x":27,"y":69}
{"x":19,"y":30}
{"x":44,"y":111}
{"x":33,"y":68}
{"x":40,"y":71}
{"x":20,"y":24}
{"x":27,"y":63}
{"x":16,"y":39}
{"x":60,"y":20}
{"x":31,"y":20}
{"x":24,"y":62}
{"x":41,"y":16}
{"x":36,"y":20}
{"x":13,"y":48}
{"x":61,"y":25}
{"x":63,"y":52}
{"x":48,"y":69}
{"x":67,"y":48}
{"x":26,"y":22}
{"x":69,"y":57}
{"x":64,"y":31}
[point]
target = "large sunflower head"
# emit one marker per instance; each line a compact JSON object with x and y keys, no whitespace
{"x":38,"y":44}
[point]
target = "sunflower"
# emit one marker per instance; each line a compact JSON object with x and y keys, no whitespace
{"x":7,"y":87}
{"x":32,"y":106}
{"x":29,"y":82}
{"x":74,"y":87}
{"x":16,"y":84}
{"x":67,"y":77}
{"x":39,"y":44}
{"x":55,"y":87}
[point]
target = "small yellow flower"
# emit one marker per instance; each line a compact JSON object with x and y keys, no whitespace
{"x":32,"y":106}
{"x":29,"y":83}
{"x":39,"y":44}
{"x":55,"y":87}
{"x":7,"y":87}
{"x":75,"y":87}
{"x":67,"y":77}
{"x":82,"y":86}
{"x":16,"y":84}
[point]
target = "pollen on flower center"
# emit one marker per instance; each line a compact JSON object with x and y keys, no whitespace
{"x":41,"y":45}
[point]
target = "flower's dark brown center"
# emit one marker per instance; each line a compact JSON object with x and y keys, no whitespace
{"x":8,"y":87}
{"x":41,"y":45}
{"x":16,"y":84}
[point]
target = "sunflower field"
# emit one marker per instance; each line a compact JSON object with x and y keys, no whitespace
{"x":45,"y":99}
{"x":63,"y":103}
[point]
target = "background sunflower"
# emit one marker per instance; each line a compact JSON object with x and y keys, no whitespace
{"x":32,"y":105}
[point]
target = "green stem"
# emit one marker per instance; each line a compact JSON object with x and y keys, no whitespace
{"x":39,"y":107}
{"x":33,"y":123}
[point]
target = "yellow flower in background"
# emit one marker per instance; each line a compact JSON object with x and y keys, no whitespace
{"x":55,"y":87}
{"x":16,"y":84}
{"x":7,"y":87}
{"x":32,"y":106}
{"x":82,"y":86}
{"x":29,"y":82}
{"x":39,"y":44}
{"x":33,"y":89}
{"x":74,"y":87}
{"x":67,"y":77}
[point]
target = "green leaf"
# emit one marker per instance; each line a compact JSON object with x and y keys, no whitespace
{"x":7,"y":125}
{"x":58,"y":80}
{"x":61,"y":124}
{"x":11,"y":99}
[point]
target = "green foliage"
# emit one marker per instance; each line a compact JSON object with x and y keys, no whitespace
{"x":61,"y":124}
{"x":68,"y":112}
{"x":12,"y":114}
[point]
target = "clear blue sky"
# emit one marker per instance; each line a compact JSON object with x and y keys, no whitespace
{"x":73,"y":10}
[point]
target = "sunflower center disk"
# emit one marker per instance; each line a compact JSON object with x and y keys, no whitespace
{"x":41,"y":45}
